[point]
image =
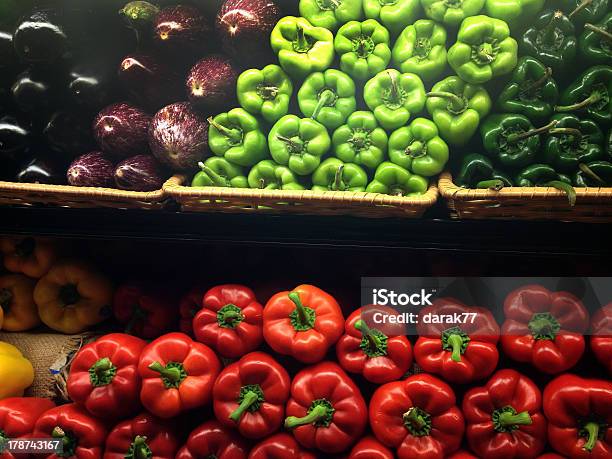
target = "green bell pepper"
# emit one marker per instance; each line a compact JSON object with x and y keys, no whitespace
{"x":219,"y":172}
{"x":395,"y":15}
{"x":544,"y":175}
{"x":236,"y":135}
{"x":267,"y":175}
{"x":363,"y":48}
{"x":302,"y":48}
{"x":551,"y":39}
{"x":595,"y":174}
{"x":512,"y":139}
{"x":477,"y":171}
{"x":421,"y":49}
{"x":335,"y":175}
{"x":595,"y":43}
{"x":394,"y":97}
{"x":531,"y":91}
{"x":396,"y":181}
{"x":573,"y":141}
{"x":328,"y":98}
{"x":265,"y":92}
{"x":298,"y":143}
{"x":451,"y":12}
{"x":457,"y":108}
{"x":361,"y":141}
{"x":591,"y":93}
{"x":484,"y":50}
{"x":419,"y":148}
{"x":331,"y":14}
{"x":582,"y":11}
{"x":608,"y":143}
{"x":514,"y":12}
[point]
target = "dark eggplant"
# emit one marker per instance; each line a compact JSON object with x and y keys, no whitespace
{"x":8,"y":58}
{"x":211,"y":83}
{"x":41,"y":170}
{"x":139,"y":173}
{"x":121,"y":130}
{"x":181,"y":26}
{"x":92,"y":169}
{"x":178,"y":137}
{"x":15,"y":137}
{"x":92,"y":83}
{"x":69,"y":133}
{"x":41,"y":37}
{"x":34,"y":90}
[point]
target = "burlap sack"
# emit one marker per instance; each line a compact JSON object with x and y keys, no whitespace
{"x":50,"y":355}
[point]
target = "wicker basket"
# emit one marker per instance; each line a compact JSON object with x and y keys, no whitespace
{"x":592,"y":204}
{"x":300,"y":202}
{"x":71,"y":196}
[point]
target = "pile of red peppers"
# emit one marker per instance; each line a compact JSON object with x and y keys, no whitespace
{"x":295,"y":379}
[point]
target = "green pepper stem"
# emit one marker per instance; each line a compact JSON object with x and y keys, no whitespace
{"x":102,"y":365}
{"x":486,"y":53}
{"x":374,"y":341}
{"x":317,"y":413}
{"x":333,"y":4}
{"x":395,"y":90}
{"x":588,"y":171}
{"x":268,"y":92}
{"x":456,"y":342}
{"x":513,"y":138}
{"x":59,"y":434}
{"x":580,"y":7}
{"x":5,"y":300}
{"x":592,"y":99}
{"x":138,"y":315}
{"x":521,"y":419}
{"x":140,"y":448}
{"x":299,"y":307}
{"x":457,"y":103}
{"x":566,"y":188}
{"x":495,"y":185}
{"x":415,"y":149}
{"x":302,"y":42}
{"x":567,"y":131}
{"x":262,"y":183}
{"x":216,"y":178}
{"x":413,"y":417}
{"x":233,"y":134}
{"x":249,"y":398}
{"x":326,"y":98}
{"x":337,"y":186}
{"x":603,"y":32}
{"x":540,"y":81}
{"x":550,"y":33}
{"x":592,"y":430}
{"x":293,"y":145}
{"x":171,"y":374}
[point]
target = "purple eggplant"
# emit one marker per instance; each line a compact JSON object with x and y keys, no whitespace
{"x":139,"y":173}
{"x":92,"y":169}
{"x":181,"y":26}
{"x":211,"y":83}
{"x":121,"y":130}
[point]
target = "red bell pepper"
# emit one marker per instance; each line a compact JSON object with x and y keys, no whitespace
{"x":326,"y":410}
{"x":18,"y":416}
{"x":279,"y":446}
{"x":459,"y":353}
{"x":368,"y":351}
{"x":504,"y":417}
{"x":82,"y":435}
{"x":579,"y":413}
{"x":550,"y":456}
{"x":143,"y":437}
{"x":230,"y":321}
{"x":370,"y":448}
{"x":145,"y":311}
{"x":462,"y":454}
{"x":212,"y":440}
{"x":417,"y":417}
{"x":601,"y":339}
{"x":177,"y":375}
{"x":104,"y":376}
{"x":189,"y":306}
{"x":544,"y":328}
{"x":303,"y":323}
{"x":250,"y":395}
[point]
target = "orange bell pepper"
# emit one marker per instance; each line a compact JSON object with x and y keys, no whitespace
{"x":29,"y":256}
{"x":17,"y":303}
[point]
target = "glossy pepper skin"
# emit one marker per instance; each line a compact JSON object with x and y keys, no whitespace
{"x":30,"y":256}
{"x":395,"y":15}
{"x":504,"y":418}
{"x":104,"y":376}
{"x":302,"y":48}
{"x":16,"y":372}
{"x":514,"y":13}
{"x":303,"y":323}
{"x":177,"y":375}
{"x":484,"y":50}
{"x":586,"y":11}
{"x":326,"y":410}
{"x":579,"y":416}
{"x":82,"y":435}
{"x":457,"y":108}
{"x":544,"y":328}
{"x":601,"y":336}
{"x":229,"y":321}
{"x":461,"y":353}
{"x":477,"y":171}
{"x":451,"y":13}
{"x":368,"y":351}
{"x":17,"y":303}
{"x":590,"y":94}
{"x":331,"y":14}
{"x":394,"y":180}
{"x":18,"y":416}
{"x":328,"y":97}
{"x":142,"y":437}
{"x":266,"y":92}
{"x":418,"y":417}
{"x":211,"y":439}
{"x":220,"y":172}
{"x":421,"y":49}
{"x":595,"y":174}
{"x":594,"y":44}
{"x":299,"y":143}
{"x":73,"y":296}
{"x":418,"y":148}
{"x":250,"y":395}
{"x":394,"y":97}
{"x":144,"y":310}
{"x":360,"y":141}
{"x":364,"y":48}
{"x":370,"y":448}
{"x":237,"y":136}
{"x":545,"y":176}
{"x":335,"y":175}
{"x":531,"y":91}
{"x":280,"y":446}
{"x":462,"y":454}
{"x":268,"y":175}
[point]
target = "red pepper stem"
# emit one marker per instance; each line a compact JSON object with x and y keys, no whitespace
{"x":457,"y":103}
{"x":171,"y":374}
{"x":367,"y":332}
{"x":588,"y":171}
{"x":248,"y":400}
{"x":568,"y":189}
{"x":592,"y":430}
{"x":216,"y":178}
{"x":326,"y":98}
{"x":456,"y":342}
{"x":233,"y":134}
{"x":338,"y":178}
{"x":513,"y":138}
{"x":603,"y":32}
{"x":318,"y":412}
{"x":507,"y":419}
{"x":6,"y":297}
{"x":580,"y":7}
{"x":299,"y":307}
{"x":140,"y":447}
{"x":592,"y":99}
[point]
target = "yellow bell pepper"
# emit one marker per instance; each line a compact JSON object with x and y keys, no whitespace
{"x":73,"y":296}
{"x":17,"y":303}
{"x":16,"y":372}
{"x":29,"y":256}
